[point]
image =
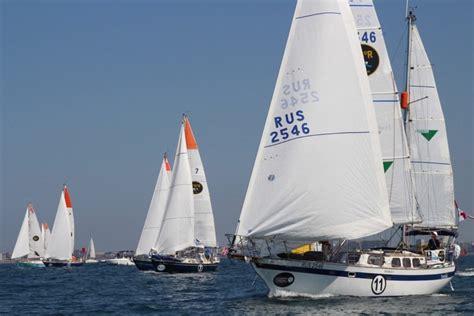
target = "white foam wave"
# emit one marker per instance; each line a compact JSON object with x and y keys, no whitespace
{"x":465,"y":273}
{"x":285,"y":294}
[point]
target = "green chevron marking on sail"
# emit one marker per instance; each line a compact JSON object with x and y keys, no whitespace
{"x":428,"y":134}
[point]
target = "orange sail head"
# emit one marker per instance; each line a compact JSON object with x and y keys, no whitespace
{"x":190,"y":140}
{"x":67,"y":197}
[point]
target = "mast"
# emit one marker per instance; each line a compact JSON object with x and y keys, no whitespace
{"x":411,"y":18}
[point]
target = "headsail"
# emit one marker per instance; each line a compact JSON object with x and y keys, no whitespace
{"x":156,"y":211}
{"x":204,"y":229}
{"x":177,"y":230}
{"x":318,"y":171}
{"x":91,"y":249}
{"x":428,"y":141}
{"x":22,"y":247}
{"x":46,"y":235}
{"x":395,"y":154}
{"x":61,"y":243}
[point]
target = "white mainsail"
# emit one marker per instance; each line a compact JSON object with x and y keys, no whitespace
{"x":91,"y":249}
{"x":204,"y":230}
{"x":428,"y":141}
{"x":156,"y":211}
{"x":29,"y":241}
{"x":46,"y":235}
{"x":318,"y":171}
{"x":395,"y":154}
{"x":36,"y":239}
{"x":177,"y":230}
{"x":60,"y":246}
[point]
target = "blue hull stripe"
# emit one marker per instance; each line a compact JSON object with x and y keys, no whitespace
{"x":359,"y":275}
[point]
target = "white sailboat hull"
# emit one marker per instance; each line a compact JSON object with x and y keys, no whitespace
{"x":308,"y":278}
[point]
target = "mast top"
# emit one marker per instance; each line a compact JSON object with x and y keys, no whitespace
{"x":411,"y":17}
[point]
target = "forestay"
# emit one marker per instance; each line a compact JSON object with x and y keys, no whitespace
{"x":318,"y":171}
{"x":395,"y":154}
{"x":428,"y":142}
{"x":156,"y":211}
{"x":177,"y":231}
{"x":204,"y":230}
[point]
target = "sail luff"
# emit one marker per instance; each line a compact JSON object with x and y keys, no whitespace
{"x":428,"y":142}
{"x":318,"y":171}
{"x":395,"y":154}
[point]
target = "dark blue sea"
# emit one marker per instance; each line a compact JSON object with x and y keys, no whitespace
{"x":233,"y":289}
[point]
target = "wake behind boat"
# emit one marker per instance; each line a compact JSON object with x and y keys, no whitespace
{"x":335,"y":161}
{"x":61,"y":243}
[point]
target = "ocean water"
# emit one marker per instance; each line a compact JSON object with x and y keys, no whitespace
{"x":234,"y":289}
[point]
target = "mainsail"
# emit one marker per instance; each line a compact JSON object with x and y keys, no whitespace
{"x":177,"y":230}
{"x":395,"y":154}
{"x":46,"y":235}
{"x":204,"y":229}
{"x":318,"y":171}
{"x":156,"y":211}
{"x":91,"y":254}
{"x":61,"y":243}
{"x":428,"y":141}
{"x":29,"y":241}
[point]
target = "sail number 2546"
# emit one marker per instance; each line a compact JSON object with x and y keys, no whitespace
{"x":290,"y":125}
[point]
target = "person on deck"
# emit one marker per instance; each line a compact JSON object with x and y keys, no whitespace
{"x":434,"y":242}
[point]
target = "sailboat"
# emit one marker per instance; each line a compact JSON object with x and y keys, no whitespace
{"x":177,"y":249}
{"x":324,"y":174}
{"x":61,"y":243}
{"x":90,"y":255}
{"x":29,"y":244}
{"x":154,"y":218}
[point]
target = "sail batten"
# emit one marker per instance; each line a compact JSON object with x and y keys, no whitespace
{"x":318,"y":172}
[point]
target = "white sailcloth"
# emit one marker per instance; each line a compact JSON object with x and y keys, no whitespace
{"x":428,"y":142}
{"x":318,"y":172}
{"x":36,"y":239}
{"x":60,"y":246}
{"x":204,"y":230}
{"x":29,"y":241}
{"x":395,"y":154}
{"x":91,"y":249}
{"x":156,"y":211}
{"x":22,"y":247}
{"x":46,"y":235}
{"x":177,"y":230}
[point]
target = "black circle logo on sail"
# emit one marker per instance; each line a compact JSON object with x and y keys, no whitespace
{"x":197,"y":187}
{"x":36,"y":238}
{"x":378,"y":284}
{"x":371,"y":58}
{"x":284,"y":279}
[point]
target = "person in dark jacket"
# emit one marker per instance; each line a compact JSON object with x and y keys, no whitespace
{"x":434,"y":242}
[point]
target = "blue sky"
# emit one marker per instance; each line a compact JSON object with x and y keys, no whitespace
{"x":92,"y":94}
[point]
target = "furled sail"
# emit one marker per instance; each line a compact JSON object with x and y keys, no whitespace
{"x":177,"y":230}
{"x":156,"y":211}
{"x":428,"y":141}
{"x":395,"y":154}
{"x":204,"y":230}
{"x":60,"y":246}
{"x":318,"y":171}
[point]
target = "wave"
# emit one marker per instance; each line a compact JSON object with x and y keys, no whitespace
{"x":285,"y":294}
{"x":465,"y":273}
